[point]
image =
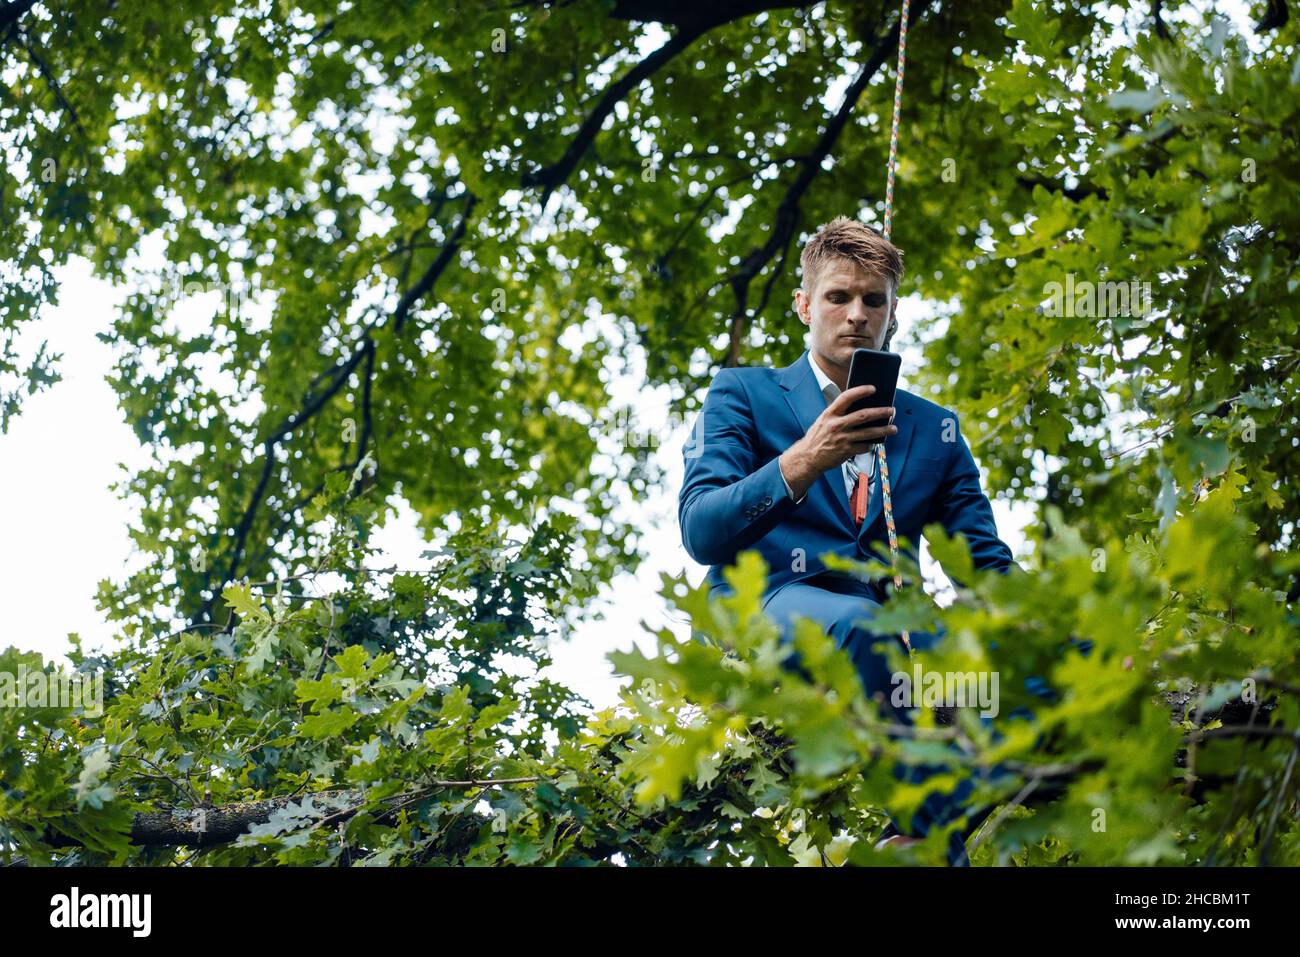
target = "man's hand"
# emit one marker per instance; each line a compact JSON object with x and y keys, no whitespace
{"x":834,"y":438}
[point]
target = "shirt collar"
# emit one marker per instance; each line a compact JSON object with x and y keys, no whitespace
{"x":823,"y":380}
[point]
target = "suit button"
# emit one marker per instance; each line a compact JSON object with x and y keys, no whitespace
{"x":768,"y":500}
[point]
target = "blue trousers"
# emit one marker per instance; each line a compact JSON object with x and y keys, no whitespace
{"x":843,"y":607}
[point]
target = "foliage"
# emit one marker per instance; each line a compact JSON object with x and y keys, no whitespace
{"x":432,"y":232}
{"x":395,"y":725}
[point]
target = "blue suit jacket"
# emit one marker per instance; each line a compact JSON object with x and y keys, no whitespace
{"x":733,"y":497}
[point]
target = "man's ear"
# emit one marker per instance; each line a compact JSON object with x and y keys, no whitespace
{"x":799,"y":307}
{"x":891,"y":327}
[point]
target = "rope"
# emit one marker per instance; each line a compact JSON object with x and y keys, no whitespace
{"x":888,"y":231}
{"x":893,"y":132}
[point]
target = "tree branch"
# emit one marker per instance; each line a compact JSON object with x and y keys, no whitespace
{"x":549,"y":177}
{"x":1162,"y":29}
{"x":10,"y":14}
{"x":687,"y":12}
{"x":342,"y":371}
{"x":207,"y":827}
{"x":1274,"y":17}
{"x":55,"y":88}
{"x":335,"y":382}
{"x":426,"y":281}
{"x":1074,"y":193}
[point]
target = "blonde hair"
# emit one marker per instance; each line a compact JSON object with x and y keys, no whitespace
{"x":844,"y":238}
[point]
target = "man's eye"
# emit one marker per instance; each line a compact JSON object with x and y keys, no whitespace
{"x":875,"y":301}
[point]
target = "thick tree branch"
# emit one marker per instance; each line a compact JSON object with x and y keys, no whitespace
{"x":693,"y":20}
{"x":207,"y":827}
{"x":1162,"y":29}
{"x":549,"y":177}
{"x":1274,"y":17}
{"x":676,"y":12}
{"x":689,"y":12}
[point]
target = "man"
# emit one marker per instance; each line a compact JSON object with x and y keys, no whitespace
{"x":776,"y":459}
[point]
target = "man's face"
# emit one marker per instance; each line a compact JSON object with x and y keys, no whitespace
{"x":850,"y":309}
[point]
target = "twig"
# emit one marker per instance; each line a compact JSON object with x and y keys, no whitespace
{"x":986,"y":832}
{"x":1277,"y":804}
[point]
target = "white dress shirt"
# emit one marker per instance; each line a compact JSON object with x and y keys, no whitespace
{"x":864,"y":462}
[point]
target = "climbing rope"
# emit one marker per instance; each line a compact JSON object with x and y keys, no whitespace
{"x":893,"y":131}
{"x":888,"y":230}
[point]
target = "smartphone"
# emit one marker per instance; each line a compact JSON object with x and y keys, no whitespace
{"x":873,"y":367}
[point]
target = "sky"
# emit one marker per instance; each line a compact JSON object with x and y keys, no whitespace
{"x":66,"y":529}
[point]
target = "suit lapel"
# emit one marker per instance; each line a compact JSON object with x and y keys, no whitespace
{"x":807,"y":402}
{"x":896,"y":449}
